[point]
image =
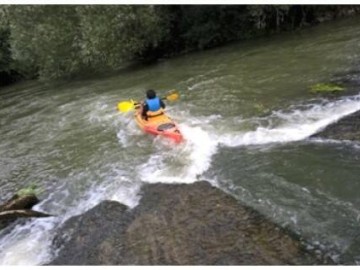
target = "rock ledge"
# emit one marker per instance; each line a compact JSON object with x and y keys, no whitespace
{"x":178,"y":224}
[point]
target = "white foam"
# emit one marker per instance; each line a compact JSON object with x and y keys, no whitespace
{"x":124,"y":190}
{"x":193,"y":156}
{"x":295,"y":125}
{"x":201,"y":147}
{"x":27,"y":244}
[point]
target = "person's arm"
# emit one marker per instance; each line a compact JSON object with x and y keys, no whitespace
{"x":162,"y":104}
{"x":144,"y":111}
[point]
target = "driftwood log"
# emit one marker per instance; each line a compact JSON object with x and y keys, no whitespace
{"x":19,"y":207}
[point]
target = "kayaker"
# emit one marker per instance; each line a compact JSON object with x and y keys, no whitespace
{"x":152,"y":106}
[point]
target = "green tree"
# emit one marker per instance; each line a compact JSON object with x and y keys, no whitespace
{"x":7,"y":65}
{"x":44,"y":40}
{"x":5,"y":53}
{"x":59,"y":41}
{"x":113,"y":35}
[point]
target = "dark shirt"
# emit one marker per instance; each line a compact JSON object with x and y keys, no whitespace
{"x":146,"y":108}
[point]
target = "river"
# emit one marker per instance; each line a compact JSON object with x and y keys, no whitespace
{"x":246,"y":114}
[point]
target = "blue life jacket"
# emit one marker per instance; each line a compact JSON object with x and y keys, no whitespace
{"x":153,"y":104}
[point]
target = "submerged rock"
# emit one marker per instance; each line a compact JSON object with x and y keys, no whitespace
{"x":326,"y":88}
{"x":347,"y":128}
{"x":180,"y":224}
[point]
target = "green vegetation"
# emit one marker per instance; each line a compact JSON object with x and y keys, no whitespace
{"x":326,"y":88}
{"x":31,"y":190}
{"x":5,"y":52}
{"x":67,"y":40}
{"x":50,"y":41}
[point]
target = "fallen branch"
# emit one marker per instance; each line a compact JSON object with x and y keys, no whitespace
{"x":21,"y":213}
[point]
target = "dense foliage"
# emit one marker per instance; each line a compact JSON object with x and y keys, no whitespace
{"x":49,"y":41}
{"x":58,"y":41}
{"x":6,"y":72}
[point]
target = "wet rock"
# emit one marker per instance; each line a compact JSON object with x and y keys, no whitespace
{"x":181,"y":224}
{"x":19,"y":206}
{"x":347,"y":128}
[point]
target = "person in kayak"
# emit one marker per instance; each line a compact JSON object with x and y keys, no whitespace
{"x":152,"y":106}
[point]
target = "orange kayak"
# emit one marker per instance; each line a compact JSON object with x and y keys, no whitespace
{"x":159,"y":124}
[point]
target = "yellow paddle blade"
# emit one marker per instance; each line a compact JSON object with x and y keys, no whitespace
{"x":172,"y":96}
{"x":126,"y":106}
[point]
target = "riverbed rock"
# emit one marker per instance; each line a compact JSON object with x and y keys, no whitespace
{"x":179,"y":224}
{"x":19,"y":206}
{"x":347,"y":128}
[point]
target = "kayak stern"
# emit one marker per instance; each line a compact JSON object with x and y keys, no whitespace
{"x":161,"y":125}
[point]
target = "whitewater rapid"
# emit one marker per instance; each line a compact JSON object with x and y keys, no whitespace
{"x":30,"y":243}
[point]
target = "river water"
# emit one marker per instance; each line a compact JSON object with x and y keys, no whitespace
{"x":246,"y":113}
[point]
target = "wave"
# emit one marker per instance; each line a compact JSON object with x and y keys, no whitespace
{"x":294,"y":124}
